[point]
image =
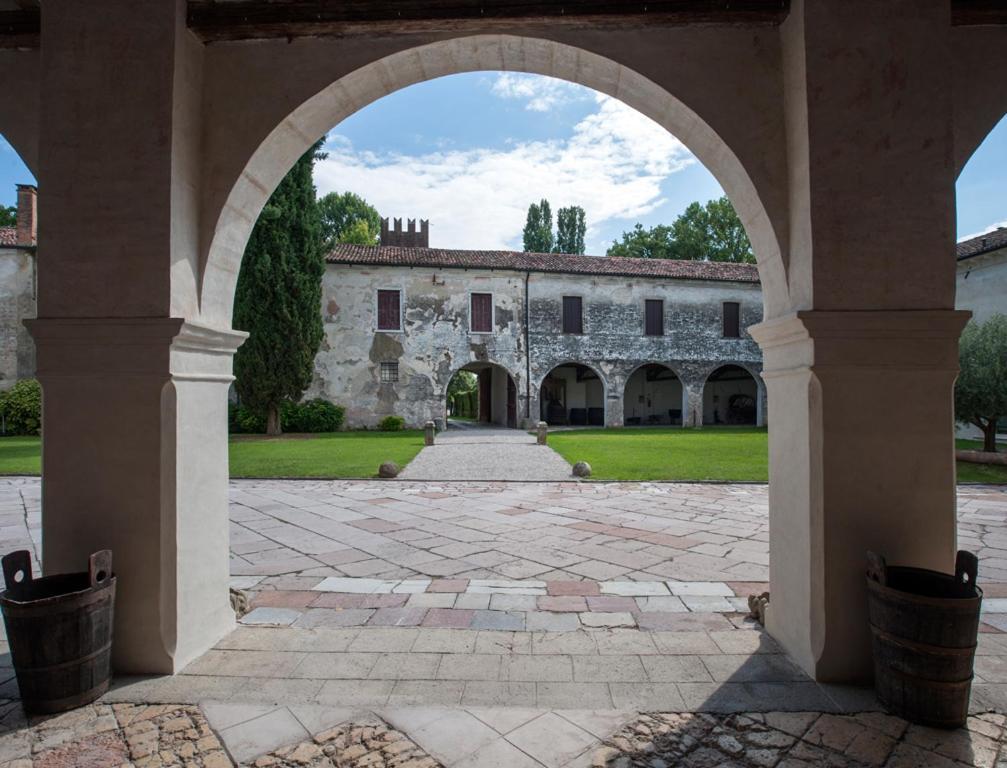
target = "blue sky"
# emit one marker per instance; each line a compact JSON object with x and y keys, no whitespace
{"x":471,"y":151}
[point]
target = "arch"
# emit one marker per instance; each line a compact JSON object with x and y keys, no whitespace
{"x":314,"y":117}
{"x":20,"y":124}
{"x":567,"y":396}
{"x":650,"y":398}
{"x":732,"y":399}
{"x":496,"y":394}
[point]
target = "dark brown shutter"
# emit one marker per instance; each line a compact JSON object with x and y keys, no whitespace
{"x":482,"y":313}
{"x":389,"y":311}
{"x":573,"y":314}
{"x":655,"y":317}
{"x":732,"y":320}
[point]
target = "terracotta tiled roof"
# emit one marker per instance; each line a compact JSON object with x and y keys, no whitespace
{"x":542,"y":262}
{"x":8,"y":236}
{"x":991,"y":241}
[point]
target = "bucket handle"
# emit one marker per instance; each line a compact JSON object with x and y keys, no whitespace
{"x":15,"y":564}
{"x":966,"y":569}
{"x":99,"y":568}
{"x":877,"y":569}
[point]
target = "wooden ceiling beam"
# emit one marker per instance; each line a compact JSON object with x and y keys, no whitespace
{"x":969,"y":13}
{"x":256,"y":19}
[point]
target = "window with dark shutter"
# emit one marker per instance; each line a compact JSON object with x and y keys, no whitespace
{"x":654,"y":317}
{"x":482,"y":313}
{"x":732,"y":320}
{"x":573,"y":315}
{"x":389,"y":311}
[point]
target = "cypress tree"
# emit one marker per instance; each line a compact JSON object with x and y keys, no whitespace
{"x":278,"y":299}
{"x":571,"y":227}
{"x":538,"y":228}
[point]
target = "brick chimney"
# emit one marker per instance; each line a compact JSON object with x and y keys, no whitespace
{"x":27,"y":214}
{"x":406,"y":239}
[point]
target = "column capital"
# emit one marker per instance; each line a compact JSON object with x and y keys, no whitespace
{"x":133,"y":346}
{"x":876,"y":339}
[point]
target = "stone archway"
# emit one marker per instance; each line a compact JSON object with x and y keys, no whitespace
{"x":654,"y":395}
{"x":573,"y":394}
{"x":494,"y":400}
{"x":732,"y":396}
{"x":233,"y":209}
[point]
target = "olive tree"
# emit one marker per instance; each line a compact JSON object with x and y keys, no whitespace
{"x":981,"y":389}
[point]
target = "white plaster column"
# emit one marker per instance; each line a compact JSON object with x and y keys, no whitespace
{"x":861,"y":458}
{"x":134,"y":458}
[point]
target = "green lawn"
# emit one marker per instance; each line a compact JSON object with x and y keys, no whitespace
{"x":20,"y":456}
{"x":339,"y":454}
{"x":652,"y":453}
{"x":979,"y":473}
{"x":712,"y":453}
{"x":336,"y":454}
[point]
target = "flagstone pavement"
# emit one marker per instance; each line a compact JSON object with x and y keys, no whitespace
{"x":429,"y":683}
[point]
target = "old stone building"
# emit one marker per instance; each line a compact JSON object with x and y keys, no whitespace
{"x":576,"y":340}
{"x":982,"y":275}
{"x":17,"y":290}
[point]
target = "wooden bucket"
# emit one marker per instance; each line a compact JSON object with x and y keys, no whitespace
{"x":924,"y":626}
{"x":60,"y":632}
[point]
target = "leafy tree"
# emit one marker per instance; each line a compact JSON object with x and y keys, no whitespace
{"x":702,"y":233}
{"x":278,"y":297}
{"x":8,"y":216}
{"x":571,"y":227}
{"x":463,"y":394}
{"x":538,"y":228}
{"x":359,"y":233}
{"x":341,"y":215}
{"x":655,"y":243}
{"x":981,"y":389}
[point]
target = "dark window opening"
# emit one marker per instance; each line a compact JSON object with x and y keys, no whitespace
{"x":654,"y":317}
{"x":573,"y":315}
{"x":482,"y":313}
{"x":389,"y":373}
{"x":389,"y":311}
{"x":732,"y":320}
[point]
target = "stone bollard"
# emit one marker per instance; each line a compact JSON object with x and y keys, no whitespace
{"x":543,"y":433}
{"x":582,"y":469}
{"x":429,"y":430}
{"x":388,"y":469}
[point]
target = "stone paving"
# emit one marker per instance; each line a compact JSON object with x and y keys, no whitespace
{"x":487,"y":454}
{"x":708,"y":688}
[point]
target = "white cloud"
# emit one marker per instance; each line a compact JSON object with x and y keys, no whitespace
{"x":612,"y":165}
{"x":990,"y":228}
{"x":540,"y":94}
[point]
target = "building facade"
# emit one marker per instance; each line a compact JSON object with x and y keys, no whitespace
{"x":572,"y":340}
{"x":982,"y":275}
{"x":18,"y":290}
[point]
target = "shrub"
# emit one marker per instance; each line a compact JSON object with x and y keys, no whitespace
{"x":316,"y":415}
{"x":242,"y":420}
{"x":391,"y":424}
{"x":21,"y":408}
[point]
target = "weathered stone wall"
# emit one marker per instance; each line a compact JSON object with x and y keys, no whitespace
{"x":436,"y":342}
{"x":17,"y":303}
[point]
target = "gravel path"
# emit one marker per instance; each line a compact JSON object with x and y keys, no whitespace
{"x":487,"y":454}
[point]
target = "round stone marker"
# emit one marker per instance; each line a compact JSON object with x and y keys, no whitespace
{"x":388,"y":469}
{"x":582,"y":469}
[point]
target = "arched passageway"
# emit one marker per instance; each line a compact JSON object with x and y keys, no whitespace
{"x":654,"y":395}
{"x":573,"y":395}
{"x":731,"y":396}
{"x":484,"y":393}
{"x":859,"y":330}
